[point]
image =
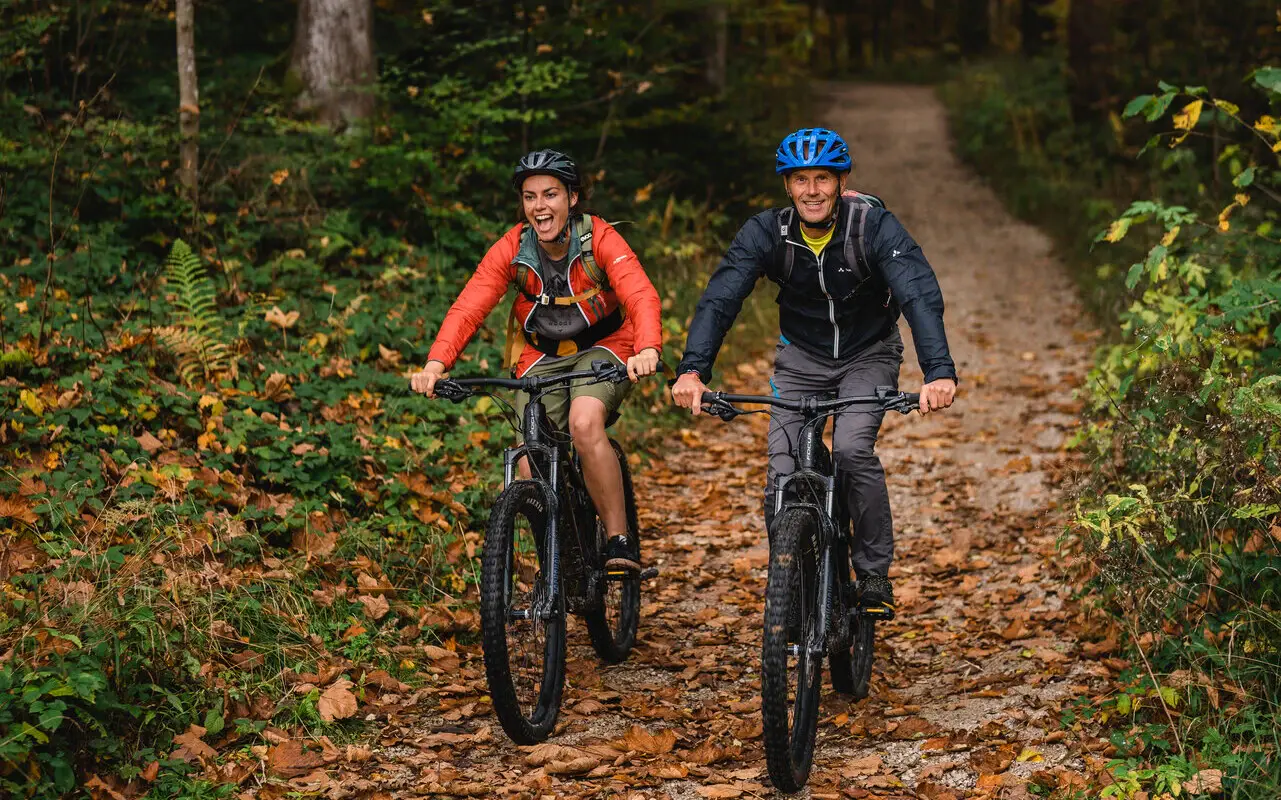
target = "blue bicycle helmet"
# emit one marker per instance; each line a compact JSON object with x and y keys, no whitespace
{"x":811,"y":148}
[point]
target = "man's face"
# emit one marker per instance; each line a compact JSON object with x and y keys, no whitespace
{"x":546,"y":202}
{"x":814,"y":191}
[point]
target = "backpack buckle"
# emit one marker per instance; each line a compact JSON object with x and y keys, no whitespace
{"x":544,"y":300}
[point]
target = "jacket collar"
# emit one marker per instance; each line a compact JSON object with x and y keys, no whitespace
{"x":527,"y":254}
{"x":838,"y":233}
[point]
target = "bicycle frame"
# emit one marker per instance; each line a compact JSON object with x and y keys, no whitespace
{"x":554,"y":457}
{"x":808,"y":457}
{"x":808,"y":454}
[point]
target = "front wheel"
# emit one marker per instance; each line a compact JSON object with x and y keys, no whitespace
{"x":790,"y":676}
{"x":524,"y":653}
{"x":612,"y":622}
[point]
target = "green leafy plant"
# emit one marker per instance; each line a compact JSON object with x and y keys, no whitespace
{"x":196,"y":341}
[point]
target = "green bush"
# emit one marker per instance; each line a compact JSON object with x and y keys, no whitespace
{"x":1185,"y":421}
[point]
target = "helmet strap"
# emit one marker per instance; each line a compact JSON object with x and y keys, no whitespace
{"x":822,"y":226}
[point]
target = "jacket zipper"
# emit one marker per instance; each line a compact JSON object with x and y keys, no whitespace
{"x":831,"y":308}
{"x":831,"y":304}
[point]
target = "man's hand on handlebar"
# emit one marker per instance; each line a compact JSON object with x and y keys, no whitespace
{"x":687,"y":392}
{"x":643,"y":363}
{"x":425,"y":380}
{"x":937,"y":395}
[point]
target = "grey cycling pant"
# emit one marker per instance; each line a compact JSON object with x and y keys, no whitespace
{"x":862,"y":478}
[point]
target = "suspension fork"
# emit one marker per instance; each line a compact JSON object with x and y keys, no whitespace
{"x":545,"y":604}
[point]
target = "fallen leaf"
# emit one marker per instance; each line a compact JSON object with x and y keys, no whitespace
{"x":17,"y":508}
{"x":445,"y":659}
{"x":868,"y":765}
{"x":588,"y":706}
{"x":149,"y":443}
{"x":706,"y":753}
{"x":289,"y":759}
{"x":669,"y":772}
{"x":375,"y":607}
{"x":190,"y":746}
{"x":337,"y":702}
{"x":277,"y":387}
{"x":576,"y":767}
{"x":641,"y":740}
{"x":1207,"y":781}
{"x":96,"y":782}
{"x":718,"y":790}
{"x":547,"y":752}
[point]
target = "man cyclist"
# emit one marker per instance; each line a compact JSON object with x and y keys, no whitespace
{"x":846,"y":269}
{"x":581,"y":296}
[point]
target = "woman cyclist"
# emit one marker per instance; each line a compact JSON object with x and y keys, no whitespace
{"x":582,"y":296}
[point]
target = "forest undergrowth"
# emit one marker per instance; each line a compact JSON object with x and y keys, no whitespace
{"x":221,"y":512}
{"x":1170,"y":216}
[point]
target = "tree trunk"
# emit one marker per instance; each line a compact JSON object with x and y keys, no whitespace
{"x":1036,"y":26}
{"x":833,"y":38}
{"x":1089,"y":30}
{"x":854,"y":37}
{"x":188,"y":100}
{"x":718,"y":47}
{"x":333,"y":57}
{"x":972,"y":27}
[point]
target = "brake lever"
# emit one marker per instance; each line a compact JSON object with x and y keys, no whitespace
{"x":722,"y":409}
{"x":609,"y":371}
{"x":903,"y":405}
{"x":452,"y":391}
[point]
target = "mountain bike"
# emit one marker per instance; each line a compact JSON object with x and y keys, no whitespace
{"x":544,"y":557}
{"x":813,"y":605}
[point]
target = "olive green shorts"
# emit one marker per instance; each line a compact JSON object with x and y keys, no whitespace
{"x":557,"y":401}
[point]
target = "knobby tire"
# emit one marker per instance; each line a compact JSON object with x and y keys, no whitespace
{"x":524,"y":503}
{"x":789,"y":743}
{"x":613,"y":641}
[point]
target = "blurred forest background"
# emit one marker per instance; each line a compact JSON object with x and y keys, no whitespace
{"x":228,"y":228}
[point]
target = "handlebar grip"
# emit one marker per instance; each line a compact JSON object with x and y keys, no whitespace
{"x":914,"y":398}
{"x":450,"y":390}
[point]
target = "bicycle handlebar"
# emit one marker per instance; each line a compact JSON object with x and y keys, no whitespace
{"x":720,"y":403}
{"x":459,"y":389}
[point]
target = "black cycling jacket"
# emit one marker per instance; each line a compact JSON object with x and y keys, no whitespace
{"x":824,"y":308}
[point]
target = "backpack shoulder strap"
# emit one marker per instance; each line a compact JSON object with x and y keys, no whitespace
{"x":855,"y":248}
{"x":780,"y":268}
{"x":523,"y":249}
{"x":595,"y":274}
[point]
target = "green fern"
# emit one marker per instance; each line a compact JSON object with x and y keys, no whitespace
{"x":197,"y":340}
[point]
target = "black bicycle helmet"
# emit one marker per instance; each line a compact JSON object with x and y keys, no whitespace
{"x":547,"y":162}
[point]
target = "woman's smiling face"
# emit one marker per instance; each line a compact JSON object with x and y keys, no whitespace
{"x":546,"y":202}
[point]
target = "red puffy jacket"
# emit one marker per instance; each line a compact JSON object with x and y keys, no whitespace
{"x":627,"y":285}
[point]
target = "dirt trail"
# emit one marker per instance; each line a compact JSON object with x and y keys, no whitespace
{"x":970,"y":677}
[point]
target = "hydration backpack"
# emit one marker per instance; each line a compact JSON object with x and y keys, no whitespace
{"x":517,"y":337}
{"x":855,"y":251}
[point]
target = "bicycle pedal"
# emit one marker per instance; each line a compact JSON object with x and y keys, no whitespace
{"x":649,"y":572}
{"x":878,"y":612}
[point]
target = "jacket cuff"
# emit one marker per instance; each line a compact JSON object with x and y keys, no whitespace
{"x":936,"y":373}
{"x":441,"y":354}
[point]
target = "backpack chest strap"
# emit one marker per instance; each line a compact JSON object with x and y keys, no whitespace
{"x":548,"y":300}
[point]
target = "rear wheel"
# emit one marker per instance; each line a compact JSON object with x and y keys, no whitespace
{"x":791,"y":676}
{"x":863,"y":636}
{"x":613,"y":622}
{"x":524,"y":655}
